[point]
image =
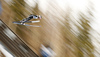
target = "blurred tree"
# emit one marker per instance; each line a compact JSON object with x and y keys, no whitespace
{"x":35,"y":9}
{"x":18,"y":7}
{"x":69,"y":39}
{"x":85,"y":47}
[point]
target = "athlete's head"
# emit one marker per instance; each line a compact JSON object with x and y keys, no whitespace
{"x":39,"y":17}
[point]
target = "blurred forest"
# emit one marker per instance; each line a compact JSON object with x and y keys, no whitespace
{"x":56,"y":29}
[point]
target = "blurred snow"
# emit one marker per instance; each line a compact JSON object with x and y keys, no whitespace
{"x":4,"y":51}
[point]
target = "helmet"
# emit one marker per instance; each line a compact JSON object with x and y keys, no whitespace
{"x":39,"y":17}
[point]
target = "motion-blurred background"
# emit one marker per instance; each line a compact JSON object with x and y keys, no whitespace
{"x":71,"y":28}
